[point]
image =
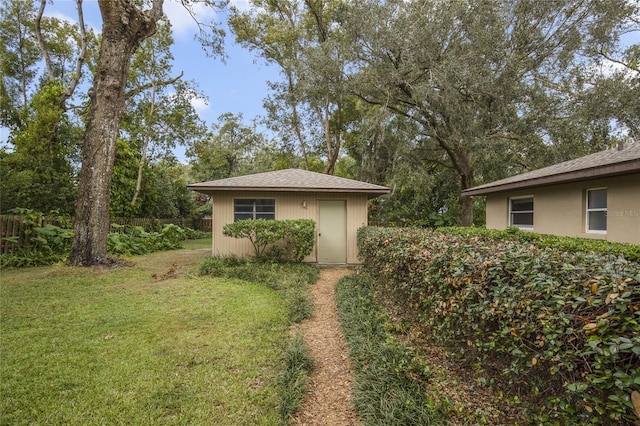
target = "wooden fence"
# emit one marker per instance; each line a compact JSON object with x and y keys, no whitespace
{"x":19,"y":229}
{"x":150,"y":224}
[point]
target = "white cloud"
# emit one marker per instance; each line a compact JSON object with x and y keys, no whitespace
{"x":610,"y":68}
{"x":201,"y":105}
{"x":605,"y":68}
{"x":183,"y":23}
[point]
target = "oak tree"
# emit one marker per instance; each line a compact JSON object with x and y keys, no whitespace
{"x":124,"y":27}
{"x":480,"y":78}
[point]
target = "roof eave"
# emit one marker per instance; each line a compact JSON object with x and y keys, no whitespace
{"x":211,"y":189}
{"x":610,"y":170}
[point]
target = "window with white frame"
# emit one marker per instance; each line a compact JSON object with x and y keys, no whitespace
{"x":521,"y":212}
{"x":597,"y":210}
{"x":254,"y":209}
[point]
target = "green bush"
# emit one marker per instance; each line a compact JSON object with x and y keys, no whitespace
{"x":47,"y":245}
{"x":134,"y":240}
{"x":287,"y":240}
{"x":194,"y":234}
{"x":563,"y":324}
{"x":51,"y":244}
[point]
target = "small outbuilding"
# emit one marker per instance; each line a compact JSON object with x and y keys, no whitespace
{"x":596,"y":196}
{"x":337,"y":205}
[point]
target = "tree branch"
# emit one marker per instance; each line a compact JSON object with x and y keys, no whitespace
{"x":43,"y":48}
{"x":155,"y":13}
{"x":133,"y":92}
{"x":617,"y":61}
{"x":81,"y":56}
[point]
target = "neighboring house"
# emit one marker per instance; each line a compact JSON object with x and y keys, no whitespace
{"x":337,"y":205}
{"x":597,"y":196}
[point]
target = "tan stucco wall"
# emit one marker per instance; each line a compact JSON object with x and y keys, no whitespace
{"x":560,"y":209}
{"x":289,"y":205}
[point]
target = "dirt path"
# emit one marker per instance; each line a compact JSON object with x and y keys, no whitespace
{"x":328,"y":399}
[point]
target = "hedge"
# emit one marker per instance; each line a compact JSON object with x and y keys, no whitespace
{"x":560,"y":324}
{"x":629,"y":251}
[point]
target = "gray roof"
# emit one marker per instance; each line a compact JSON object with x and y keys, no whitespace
{"x":290,"y":180}
{"x":612,"y":162}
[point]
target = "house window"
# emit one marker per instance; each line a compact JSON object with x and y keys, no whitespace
{"x":521,"y":212}
{"x":254,"y":209}
{"x":597,"y":210}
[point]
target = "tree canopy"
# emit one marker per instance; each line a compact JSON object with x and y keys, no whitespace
{"x":420,"y":93}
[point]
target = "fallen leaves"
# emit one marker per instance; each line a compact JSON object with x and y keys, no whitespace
{"x":590,"y":328}
{"x":635,"y":400}
{"x":171,"y":273}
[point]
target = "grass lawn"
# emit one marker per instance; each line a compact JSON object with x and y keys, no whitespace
{"x":139,"y":345}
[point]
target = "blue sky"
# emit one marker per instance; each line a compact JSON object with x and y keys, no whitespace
{"x":237,"y":86}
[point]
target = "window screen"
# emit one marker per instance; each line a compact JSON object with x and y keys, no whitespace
{"x":597,"y":210}
{"x":254,"y":209}
{"x":521,"y":212}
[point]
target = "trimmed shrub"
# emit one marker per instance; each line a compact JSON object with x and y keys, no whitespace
{"x":563,"y":324}
{"x":286,"y":240}
{"x":629,"y":251}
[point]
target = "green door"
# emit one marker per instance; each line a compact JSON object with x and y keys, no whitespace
{"x":332,"y":232}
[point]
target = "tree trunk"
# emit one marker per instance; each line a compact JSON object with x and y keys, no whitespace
{"x":296,"y":120}
{"x":466,"y":210}
{"x":466,"y":202}
{"x":462,"y":164}
{"x":124,"y":27}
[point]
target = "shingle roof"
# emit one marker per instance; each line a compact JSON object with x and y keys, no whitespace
{"x":611,"y":162}
{"x":289,"y":180}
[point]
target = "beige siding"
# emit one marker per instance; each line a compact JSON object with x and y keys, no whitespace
{"x":623,"y":205}
{"x":561,"y":209}
{"x":289,"y":205}
{"x":497,"y":209}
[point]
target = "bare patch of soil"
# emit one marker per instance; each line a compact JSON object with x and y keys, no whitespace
{"x":328,"y":399}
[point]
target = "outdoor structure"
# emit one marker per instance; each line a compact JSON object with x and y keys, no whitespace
{"x":337,"y":205}
{"x":597,"y":196}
